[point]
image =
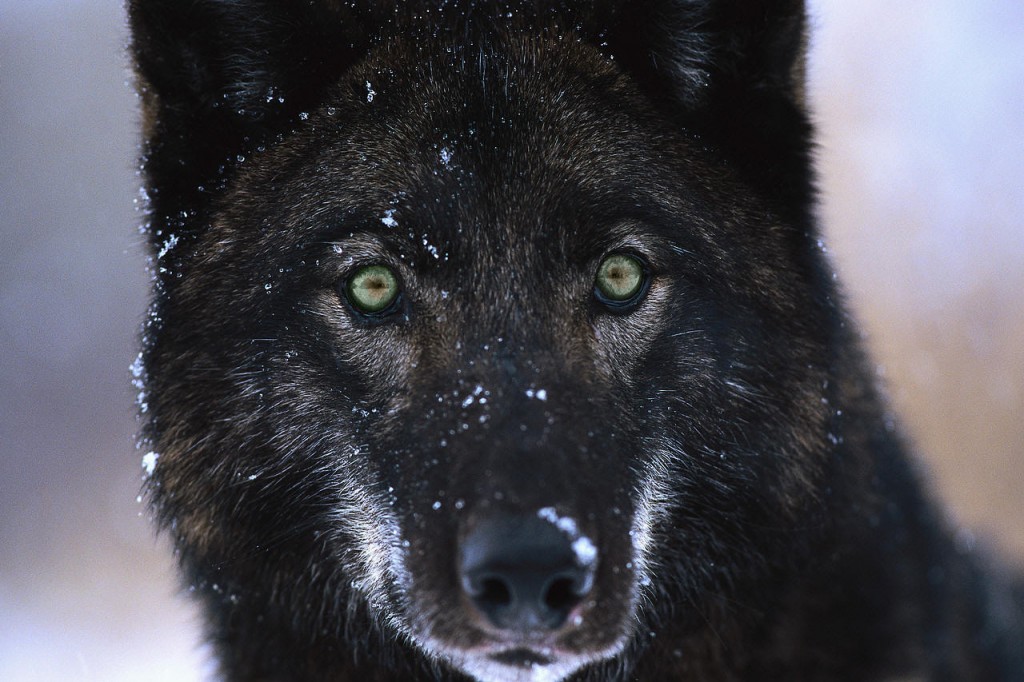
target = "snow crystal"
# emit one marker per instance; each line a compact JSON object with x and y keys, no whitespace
{"x":137,"y":367}
{"x":479,"y":394}
{"x":149,"y":462}
{"x":370,"y":92}
{"x":446,"y":155}
{"x":540,"y":394}
{"x":169,"y":244}
{"x":564,"y":523}
{"x":584,"y":550}
{"x":389,"y":218}
{"x":142,"y":202}
{"x":582,"y":546}
{"x":431,"y":248}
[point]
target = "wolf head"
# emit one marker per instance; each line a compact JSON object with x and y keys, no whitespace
{"x":492,"y":337}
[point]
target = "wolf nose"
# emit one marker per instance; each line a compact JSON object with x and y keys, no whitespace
{"x":523,"y":573}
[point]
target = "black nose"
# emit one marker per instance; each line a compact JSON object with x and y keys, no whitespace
{"x":524,"y":573}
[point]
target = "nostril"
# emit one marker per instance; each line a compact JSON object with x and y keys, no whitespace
{"x":562,"y":594}
{"x":494,"y":592}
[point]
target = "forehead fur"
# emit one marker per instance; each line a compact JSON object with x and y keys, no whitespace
{"x":475,"y":136}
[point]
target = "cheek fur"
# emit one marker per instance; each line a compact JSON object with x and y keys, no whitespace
{"x":621,"y":342}
{"x":380,"y":355}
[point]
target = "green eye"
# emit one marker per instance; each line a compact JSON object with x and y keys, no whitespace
{"x":620,"y":279}
{"x":372,"y":289}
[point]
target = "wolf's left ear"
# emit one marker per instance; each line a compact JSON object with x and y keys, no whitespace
{"x":697,"y":50}
{"x":732,"y":70}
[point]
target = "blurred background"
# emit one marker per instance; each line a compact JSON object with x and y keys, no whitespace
{"x":921,"y":113}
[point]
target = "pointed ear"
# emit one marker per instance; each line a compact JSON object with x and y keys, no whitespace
{"x":217,"y":78}
{"x":239,"y":64}
{"x":696,"y":50}
{"x":730,"y":70}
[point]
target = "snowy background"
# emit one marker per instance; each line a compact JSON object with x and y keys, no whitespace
{"x":921,"y":107}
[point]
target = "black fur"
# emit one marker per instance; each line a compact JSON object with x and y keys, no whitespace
{"x":713,"y":455}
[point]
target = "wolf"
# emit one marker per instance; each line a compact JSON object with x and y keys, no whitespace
{"x":494,"y":340}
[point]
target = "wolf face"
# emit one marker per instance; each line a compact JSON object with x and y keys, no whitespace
{"x":498,"y":460}
{"x":485,"y":343}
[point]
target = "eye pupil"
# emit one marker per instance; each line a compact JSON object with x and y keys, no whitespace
{"x":372,"y":289}
{"x":620,"y":278}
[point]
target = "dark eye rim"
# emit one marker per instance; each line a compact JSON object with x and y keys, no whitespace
{"x":626,"y":305}
{"x":371,"y":317}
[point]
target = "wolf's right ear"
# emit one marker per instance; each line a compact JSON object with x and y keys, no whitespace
{"x":237,"y":66}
